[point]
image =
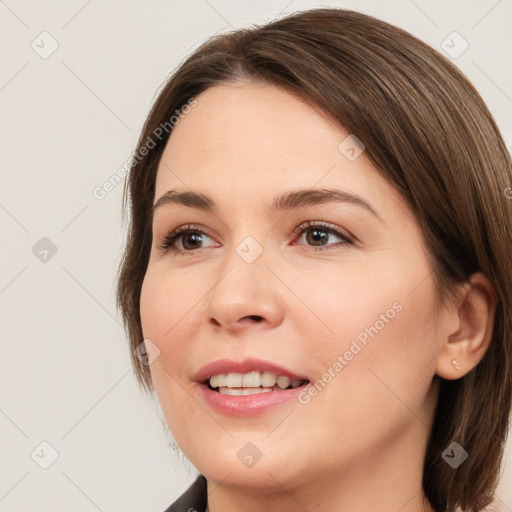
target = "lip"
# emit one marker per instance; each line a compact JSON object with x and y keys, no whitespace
{"x":247,"y":365}
{"x":245,"y":405}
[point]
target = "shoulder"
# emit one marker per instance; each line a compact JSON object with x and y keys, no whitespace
{"x":193,"y":499}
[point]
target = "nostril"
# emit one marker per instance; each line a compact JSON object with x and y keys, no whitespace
{"x":256,"y":318}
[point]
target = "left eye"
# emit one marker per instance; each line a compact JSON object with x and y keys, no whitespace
{"x":319,"y":232}
{"x":316,"y":233}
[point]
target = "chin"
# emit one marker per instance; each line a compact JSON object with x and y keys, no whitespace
{"x":248,"y":466}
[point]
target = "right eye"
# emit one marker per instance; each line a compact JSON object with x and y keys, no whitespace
{"x":187,"y":235}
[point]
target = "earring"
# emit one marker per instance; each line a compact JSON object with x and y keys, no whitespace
{"x":454,"y":362}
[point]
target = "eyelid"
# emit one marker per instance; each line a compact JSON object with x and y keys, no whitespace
{"x":170,"y":237}
{"x":327,"y":226}
{"x":166,"y":242}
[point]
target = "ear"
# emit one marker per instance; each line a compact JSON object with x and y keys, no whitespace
{"x":471,"y":321}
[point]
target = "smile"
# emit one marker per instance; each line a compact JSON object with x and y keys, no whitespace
{"x":251,"y":383}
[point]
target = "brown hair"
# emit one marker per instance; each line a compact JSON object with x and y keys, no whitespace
{"x":427,"y":130}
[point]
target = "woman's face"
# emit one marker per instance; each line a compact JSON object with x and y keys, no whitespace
{"x":265,"y":275}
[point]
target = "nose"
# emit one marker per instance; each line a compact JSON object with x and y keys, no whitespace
{"x":244,"y":295}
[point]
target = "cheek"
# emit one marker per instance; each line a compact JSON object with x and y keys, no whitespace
{"x":374,"y":376}
{"x":355,"y":304}
{"x":371,"y":330}
{"x":166,"y":303}
{"x":167,"y":309}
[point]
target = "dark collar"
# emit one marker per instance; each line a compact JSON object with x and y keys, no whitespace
{"x":193,"y":499}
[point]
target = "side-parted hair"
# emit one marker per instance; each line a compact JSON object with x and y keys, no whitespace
{"x":429,"y":133}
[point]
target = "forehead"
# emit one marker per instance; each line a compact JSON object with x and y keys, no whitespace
{"x":250,"y":140}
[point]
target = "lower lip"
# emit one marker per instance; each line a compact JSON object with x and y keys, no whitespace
{"x":247,"y":405}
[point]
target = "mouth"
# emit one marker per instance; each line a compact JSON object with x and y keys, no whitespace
{"x":246,"y":388}
{"x":252,"y":383}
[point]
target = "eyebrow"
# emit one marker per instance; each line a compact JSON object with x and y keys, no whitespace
{"x":289,"y":200}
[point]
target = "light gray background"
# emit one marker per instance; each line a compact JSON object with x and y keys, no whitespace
{"x":68,"y":122}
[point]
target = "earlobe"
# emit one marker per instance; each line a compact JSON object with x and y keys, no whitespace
{"x":466,"y":345}
{"x":455,"y":364}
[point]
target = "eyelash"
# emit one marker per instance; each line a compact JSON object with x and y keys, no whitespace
{"x":168,"y":240}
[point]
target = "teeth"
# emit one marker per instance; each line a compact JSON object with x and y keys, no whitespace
{"x":252,"y":382}
{"x":283,"y":382}
{"x":234,"y":380}
{"x":268,"y":379}
{"x":243,"y":391}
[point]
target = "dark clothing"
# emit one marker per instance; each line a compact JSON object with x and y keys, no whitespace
{"x":194,"y":499}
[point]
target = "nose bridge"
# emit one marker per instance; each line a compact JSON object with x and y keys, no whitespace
{"x":244,"y":269}
{"x":249,"y":246}
{"x":243,"y":288}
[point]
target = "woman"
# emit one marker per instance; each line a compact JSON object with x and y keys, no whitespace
{"x":318,"y":267}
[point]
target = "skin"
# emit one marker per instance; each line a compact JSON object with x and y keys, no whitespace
{"x":359,"y":444}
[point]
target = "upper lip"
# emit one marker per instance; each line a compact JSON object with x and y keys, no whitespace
{"x":247,"y":365}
